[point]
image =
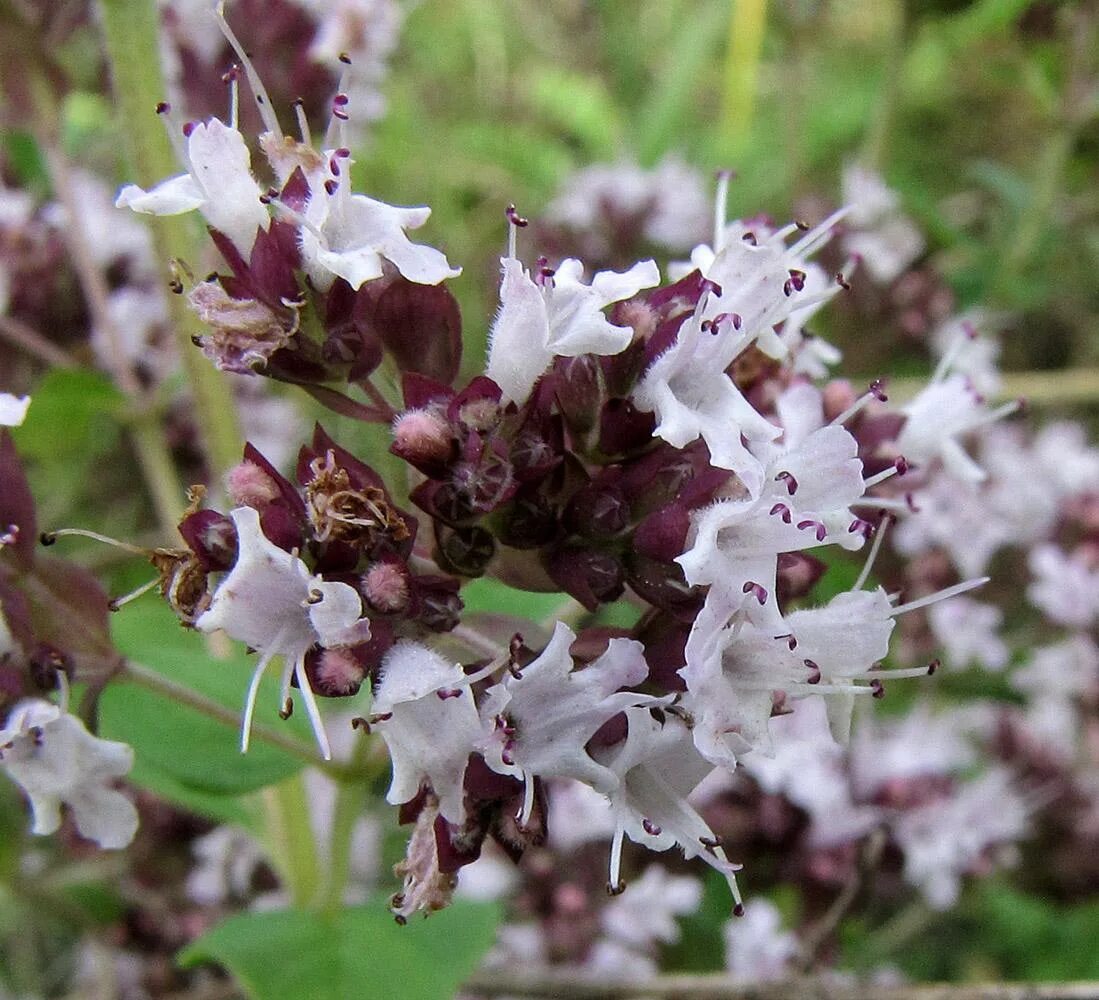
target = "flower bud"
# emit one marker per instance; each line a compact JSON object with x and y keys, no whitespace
{"x":424,"y":439}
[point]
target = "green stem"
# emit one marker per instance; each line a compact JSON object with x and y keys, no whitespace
{"x":153,"y":454}
{"x":288,"y":835}
{"x":181,"y":694}
{"x":747,"y":21}
{"x":350,"y":799}
{"x":131,"y":36}
{"x":1052,"y":388}
{"x":876,"y":143}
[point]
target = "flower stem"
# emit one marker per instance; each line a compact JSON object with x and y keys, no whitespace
{"x":747,"y":21}
{"x":288,"y":836}
{"x":131,"y":37}
{"x":876,"y":143}
{"x":153,"y":454}
{"x":1070,"y":386}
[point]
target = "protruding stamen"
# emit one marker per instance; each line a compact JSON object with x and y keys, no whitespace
{"x":263,"y":101}
{"x":117,"y":602}
{"x":721,"y":208}
{"x":313,"y":710}
{"x":819,"y":235}
{"x":49,"y":537}
{"x":941,"y":595}
{"x":232,"y":78}
{"x":303,"y":123}
{"x":250,"y":701}
{"x":515,"y":223}
{"x":614,"y":877}
{"x":874,"y":391}
{"x":872,"y":555}
{"x":898,"y":468}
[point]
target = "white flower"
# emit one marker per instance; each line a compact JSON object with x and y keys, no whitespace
{"x":757,"y":949}
{"x":670,"y":198}
{"x":219,"y":183}
{"x":658,"y":767}
{"x":272,"y":602}
{"x":945,"y":411}
{"x":541,"y":720}
{"x":55,"y":760}
{"x":348,"y":235}
{"x":803,"y":499}
{"x":806,"y":766}
{"x":944,"y":840}
{"x":688,"y":389}
{"x":918,"y":745}
{"x":13,"y":409}
{"x":560,"y":316}
{"x":885,"y":239}
{"x":644,"y":916}
{"x":1065,"y":587}
{"x":968,"y":632}
{"x":426,"y":715}
{"x":763,"y":281}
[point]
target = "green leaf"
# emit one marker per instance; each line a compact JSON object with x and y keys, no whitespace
{"x":489,"y":595}
{"x":74,"y":413}
{"x":359,"y":953}
{"x":178,"y":743}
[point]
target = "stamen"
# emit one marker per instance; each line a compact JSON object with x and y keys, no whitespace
{"x":266,"y":110}
{"x":250,"y":701}
{"x":312,"y":710}
{"x":817,"y":237}
{"x":515,"y":223}
{"x":941,"y":595}
{"x":875,"y":391}
{"x":721,"y":208}
{"x":232,"y":77}
{"x":615,"y":885}
{"x":904,"y":672}
{"x":63,"y":690}
{"x":898,"y":468}
{"x":303,"y":123}
{"x":49,"y":537}
{"x":117,"y":602}
{"x":872,"y":555}
{"x":336,"y":135}
{"x":174,"y":129}
{"x":528,"y":800}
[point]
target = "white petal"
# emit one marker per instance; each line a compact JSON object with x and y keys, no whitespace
{"x":13,"y":409}
{"x":517,"y":352}
{"x":171,"y":197}
{"x":222,"y":166}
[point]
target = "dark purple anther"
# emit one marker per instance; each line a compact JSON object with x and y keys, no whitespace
{"x":878,"y":688}
{"x":331,"y":186}
{"x":650,"y":828}
{"x":843,"y":282}
{"x":864,"y":528}
{"x":781,"y":508}
{"x":738,"y":910}
{"x":877,"y":390}
{"x":900,"y":463}
{"x":515,"y":218}
{"x":791,"y":642}
{"x":814,"y":672}
{"x":188,"y":128}
{"x":821,"y":530}
{"x":345,"y":58}
{"x":163,"y":107}
{"x":760,"y":593}
{"x":933,"y":666}
{"x":791,"y":482}
{"x":446,"y":694}
{"x":749,"y":238}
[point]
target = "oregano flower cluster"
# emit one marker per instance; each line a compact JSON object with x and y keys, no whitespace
{"x":672,"y":439}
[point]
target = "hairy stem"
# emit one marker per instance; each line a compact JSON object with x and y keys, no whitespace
{"x":131,"y":37}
